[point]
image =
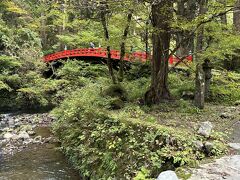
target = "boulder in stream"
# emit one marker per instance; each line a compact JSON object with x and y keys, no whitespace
{"x":8,"y":135}
{"x":23,"y":135}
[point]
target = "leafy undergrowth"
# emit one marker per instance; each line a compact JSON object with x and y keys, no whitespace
{"x":225,"y":87}
{"x":123,"y":143}
{"x":107,"y":132}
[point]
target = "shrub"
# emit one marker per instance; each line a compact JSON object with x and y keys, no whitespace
{"x":225,"y":87}
{"x":137,"y":88}
{"x":104,"y":144}
{"x":31,"y":98}
{"x":178,"y":83}
{"x":74,"y":69}
{"x":138,"y":70}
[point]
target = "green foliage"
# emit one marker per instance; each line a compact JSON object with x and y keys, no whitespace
{"x":143,"y":174}
{"x":87,"y":32}
{"x":116,"y":103}
{"x":187,"y":107}
{"x":224,"y":43}
{"x":75,"y":69}
{"x":99,"y":129}
{"x":119,"y":144}
{"x":138,"y":70}
{"x":31,"y":98}
{"x":225,"y":87}
{"x":181,"y":173}
{"x":218,"y":148}
{"x":179,"y":83}
{"x":8,"y":64}
{"x":4,"y":87}
{"x":116,"y":91}
{"x":137,"y":88}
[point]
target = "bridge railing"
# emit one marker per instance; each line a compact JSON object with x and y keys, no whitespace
{"x":102,"y":53}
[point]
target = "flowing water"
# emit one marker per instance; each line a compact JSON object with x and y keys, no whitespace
{"x":41,"y":162}
{"x":37,"y":162}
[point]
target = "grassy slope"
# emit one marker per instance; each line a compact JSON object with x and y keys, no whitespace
{"x":135,"y":139}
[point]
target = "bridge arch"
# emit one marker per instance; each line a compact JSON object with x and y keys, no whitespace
{"x":95,"y":52}
{"x":102,"y":53}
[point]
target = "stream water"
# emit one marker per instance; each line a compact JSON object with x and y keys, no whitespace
{"x":40,"y":162}
{"x":37,"y":162}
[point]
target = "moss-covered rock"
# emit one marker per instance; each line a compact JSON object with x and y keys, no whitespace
{"x":116,"y":91}
{"x":116,"y":103}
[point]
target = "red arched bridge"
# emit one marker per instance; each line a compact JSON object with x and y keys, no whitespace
{"x":102,"y":53}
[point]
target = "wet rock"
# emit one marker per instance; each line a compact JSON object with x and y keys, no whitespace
{"x":225,"y":115}
{"x":26,"y":128}
{"x":27,"y":141}
{"x":198,"y":145}
{"x":40,"y":121}
{"x":11,"y":123}
{"x":18,"y":128}
{"x":208,"y":147}
{"x":16,"y":125}
{"x":168,"y":140}
{"x":31,"y":133}
{"x":237,"y":103}
{"x":205,"y":129}
{"x":15,"y":137}
{"x":47,"y":140}
{"x":7,"y":129}
{"x":7,"y":135}
{"x":37,"y":139}
{"x":167,"y":175}
{"x":23,"y":135}
{"x":235,"y":146}
{"x":187,"y":95}
{"x":2,"y":123}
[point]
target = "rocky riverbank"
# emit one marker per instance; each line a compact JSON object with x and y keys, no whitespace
{"x":18,"y":131}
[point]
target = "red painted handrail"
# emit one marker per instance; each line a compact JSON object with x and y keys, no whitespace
{"x":102,"y":53}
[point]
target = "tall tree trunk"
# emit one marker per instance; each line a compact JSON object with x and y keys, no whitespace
{"x":122,"y":46}
{"x":186,"y":10}
{"x":162,"y":13}
{"x":147,"y":50}
{"x":236,"y":16}
{"x":200,"y":33}
{"x":199,"y":97}
{"x":181,"y":12}
{"x":43,"y":33}
{"x":235,"y":64}
{"x":200,"y":79}
{"x":106,"y":34}
{"x":224,"y":17}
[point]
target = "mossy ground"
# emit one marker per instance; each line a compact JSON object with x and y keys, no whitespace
{"x":189,"y":117}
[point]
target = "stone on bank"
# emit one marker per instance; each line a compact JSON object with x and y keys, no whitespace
{"x":167,"y":175}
